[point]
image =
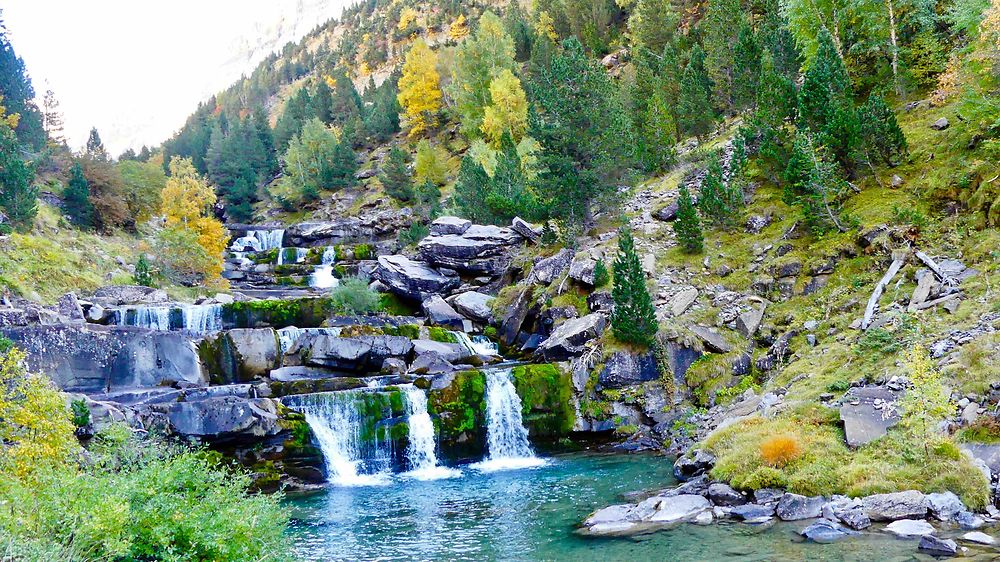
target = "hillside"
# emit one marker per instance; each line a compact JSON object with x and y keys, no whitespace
{"x":729,"y":234}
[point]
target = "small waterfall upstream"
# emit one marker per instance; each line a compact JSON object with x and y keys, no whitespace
{"x":152,"y":317}
{"x":259,"y":241}
{"x":200,"y":319}
{"x":506,"y":436}
{"x":338,"y":427}
{"x":478,"y":344}
{"x":420,"y":452}
{"x":322,"y":277}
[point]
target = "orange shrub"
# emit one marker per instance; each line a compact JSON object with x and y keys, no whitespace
{"x":780,"y":450}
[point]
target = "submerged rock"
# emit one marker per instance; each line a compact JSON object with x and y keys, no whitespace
{"x":979,"y":538}
{"x":826,"y":531}
{"x":937,"y":547}
{"x":752,"y":511}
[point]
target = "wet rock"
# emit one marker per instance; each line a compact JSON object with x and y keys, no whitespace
{"x":450,"y":225}
{"x":610,"y":520}
{"x":894,"y":506}
{"x":254,"y":353}
{"x":440,"y":313}
{"x":430,"y":363}
{"x":623,"y":369}
{"x":910,"y":528}
{"x":473,"y":305}
{"x":712,"y":340}
{"x":752,"y":511}
{"x":945,"y":506}
{"x":826,"y":531}
{"x":412,"y":279}
{"x":688,"y":467}
{"x":969,"y":520}
{"x":937,"y":547}
{"x":222,"y":418}
{"x":569,"y":338}
{"x":867,"y":413}
{"x":514,"y":316}
{"x":97,"y":314}
{"x":793,"y":507}
{"x":855,"y":518}
{"x":767,"y":495}
{"x":723,"y":494}
{"x":679,"y":508}
{"x":393,"y":366}
{"x":451,"y":352}
{"x":363,"y":353}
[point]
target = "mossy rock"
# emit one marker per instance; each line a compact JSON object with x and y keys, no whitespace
{"x":304,"y":313}
{"x":459,"y":412}
{"x":411,"y":331}
{"x":442,"y":335}
{"x":310,"y":386}
{"x":546,"y":394}
{"x":270,"y":256}
{"x":363,"y":252}
{"x":292,"y":280}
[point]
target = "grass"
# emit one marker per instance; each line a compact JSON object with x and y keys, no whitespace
{"x":825,"y":465}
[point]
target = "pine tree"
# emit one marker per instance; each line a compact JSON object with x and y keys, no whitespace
{"x":687,"y":226}
{"x":882,"y":135}
{"x":652,"y":25}
{"x":344,"y":165}
{"x":634,"y":318}
{"x":143,"y":272}
{"x":478,"y":61}
{"x":395,"y":176}
{"x":18,"y":197}
{"x":322,"y":102}
{"x":720,"y":200}
{"x":76,"y":198}
{"x":52,"y":118}
{"x":746,"y":68}
{"x":95,"y":146}
{"x":723,"y":21}
{"x":347,"y":103}
{"x":694,"y":106}
{"x":471,"y":189}
{"x":601,"y":275}
{"x":658,"y":134}
{"x":825,"y":103}
{"x":427,"y":199}
{"x":813,"y":183}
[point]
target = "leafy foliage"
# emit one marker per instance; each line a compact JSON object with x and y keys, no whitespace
{"x":419,"y":88}
{"x":197,"y":237}
{"x":352,"y":296}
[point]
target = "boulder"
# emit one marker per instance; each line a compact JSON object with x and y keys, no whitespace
{"x":768,"y":496}
{"x":979,"y":538}
{"x":968,"y":520}
{"x":748,"y":322}
{"x":581,"y":269}
{"x":752,"y":511}
{"x":945,"y":506}
{"x":897,"y":505}
{"x":723,"y":494}
{"x":117,"y":295}
{"x":393,"y":366}
{"x":569,"y":338}
{"x":601,"y":301}
{"x":867,"y":413}
{"x":937,"y":547}
{"x":683,"y":300}
{"x":430,"y":364}
{"x":480,"y":249}
{"x":362,"y":353}
{"x":687,"y":467}
{"x":450,"y":225}
{"x":910,"y":528}
{"x":451,"y":352}
{"x":793,"y":507}
{"x":941,"y":124}
{"x":440,"y":313}
{"x":473,"y":305}
{"x":515,"y":314}
{"x":69,"y":308}
{"x":92,"y":359}
{"x":676,"y":509}
{"x":547,"y":270}
{"x":97,"y":314}
{"x":713,"y":341}
{"x":255,"y":352}
{"x":611,"y":520}
{"x":525,"y":229}
{"x":223,"y":418}
{"x":412,"y":279}
{"x":826,"y":531}
{"x":854,"y":518}
{"x":623,"y":369}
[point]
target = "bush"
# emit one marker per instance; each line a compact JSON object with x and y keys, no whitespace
{"x":416,"y":232}
{"x":601,"y":275}
{"x":780,"y":450}
{"x":143,"y":274}
{"x":352,"y":296}
{"x":81,"y":413}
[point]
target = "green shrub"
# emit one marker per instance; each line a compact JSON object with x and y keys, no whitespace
{"x":352,"y":296}
{"x":363,"y":252}
{"x":414,"y":233}
{"x":601,"y":275}
{"x":143,"y":272}
{"x":81,"y":413}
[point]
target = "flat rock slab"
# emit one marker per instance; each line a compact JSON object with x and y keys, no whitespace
{"x":910,"y":528}
{"x":979,"y":538}
{"x":867,"y":413}
{"x":897,"y":505}
{"x":679,"y":508}
{"x":793,"y":507}
{"x":712,"y":340}
{"x":937,"y":547}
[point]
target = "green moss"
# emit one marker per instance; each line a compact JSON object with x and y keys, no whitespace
{"x":491,"y":332}
{"x":259,"y":258}
{"x":303,"y":312}
{"x":363,"y":252}
{"x":292,"y":280}
{"x":546,"y":394}
{"x":708,"y":374}
{"x":393,"y":305}
{"x":460,"y":407}
{"x":441,"y":335}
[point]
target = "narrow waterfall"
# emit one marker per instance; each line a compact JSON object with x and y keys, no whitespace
{"x":338,"y":427}
{"x":479,"y":345}
{"x":323,"y":277}
{"x":506,"y":436}
{"x":152,"y":317}
{"x":420,"y":452}
{"x":202,"y":319}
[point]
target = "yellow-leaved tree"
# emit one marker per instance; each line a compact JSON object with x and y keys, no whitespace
{"x":186,"y":202}
{"x":35,"y":426}
{"x":459,"y":29}
{"x":508,"y":112}
{"x":420,"y":88}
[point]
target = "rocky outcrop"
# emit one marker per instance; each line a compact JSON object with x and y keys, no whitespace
{"x":222,"y":418}
{"x":479,"y":249}
{"x":898,"y":505}
{"x":449,"y":225}
{"x":412,"y":279}
{"x":440,"y":313}
{"x":626,"y":369}
{"x":241,"y":355}
{"x":569,"y":338}
{"x":117,"y":295}
{"x":473,"y":305}
{"x":94,"y":359}
{"x":867,"y":413}
{"x":360,"y":354}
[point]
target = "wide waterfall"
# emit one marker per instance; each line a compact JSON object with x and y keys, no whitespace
{"x":152,"y":317}
{"x":506,"y":436}
{"x":322,"y":277}
{"x":259,"y":241}
{"x":352,"y":456}
{"x":199,"y":319}
{"x":202,"y":319}
{"x":420,"y":452}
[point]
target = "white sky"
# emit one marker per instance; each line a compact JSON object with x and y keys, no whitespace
{"x":135,"y":69}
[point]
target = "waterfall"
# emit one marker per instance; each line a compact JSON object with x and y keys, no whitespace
{"x":151,"y":317}
{"x":259,"y":241}
{"x":478,"y":345}
{"x":420,"y":452}
{"x":337,"y":425}
{"x":323,"y":277}
{"x":506,"y":436}
{"x":289,"y":335}
{"x":203,"y":318}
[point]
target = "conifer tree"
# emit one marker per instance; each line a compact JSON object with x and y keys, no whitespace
{"x":825,"y":103}
{"x":694,"y":106}
{"x":687,"y":225}
{"x":395,"y":177}
{"x":723,"y":21}
{"x":52,"y":118}
{"x":322,"y":102}
{"x":18,"y":197}
{"x":471,"y":189}
{"x":884,"y":139}
{"x":746,"y":68}
{"x":95,"y":147}
{"x":813,"y":183}
{"x":601,"y":275}
{"x":427,"y":199}
{"x":652,"y":25}
{"x":76,"y":198}
{"x":634,"y":318}
{"x":143,"y":272}
{"x":344,"y":164}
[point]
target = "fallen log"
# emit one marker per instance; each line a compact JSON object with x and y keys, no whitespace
{"x":937,"y":301}
{"x":933,"y":266}
{"x":894,"y":268}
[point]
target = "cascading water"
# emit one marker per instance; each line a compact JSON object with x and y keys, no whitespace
{"x":151,"y":317}
{"x":420,"y":452}
{"x":258,"y":241}
{"x":479,"y":345}
{"x":337,"y":425}
{"x":506,"y":436}
{"x":323,"y":277}
{"x":202,"y":319}
{"x":199,"y":319}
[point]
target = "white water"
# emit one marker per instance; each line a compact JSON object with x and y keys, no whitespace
{"x":152,"y":317}
{"x":506,"y":436}
{"x":334,"y":420}
{"x":203,"y":318}
{"x":289,"y":335}
{"x":197,"y":319}
{"x":259,"y":241}
{"x":420,"y":452}
{"x":479,"y":345}
{"x":323,"y":277}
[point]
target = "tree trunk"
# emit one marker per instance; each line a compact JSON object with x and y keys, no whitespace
{"x":895,"y":47}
